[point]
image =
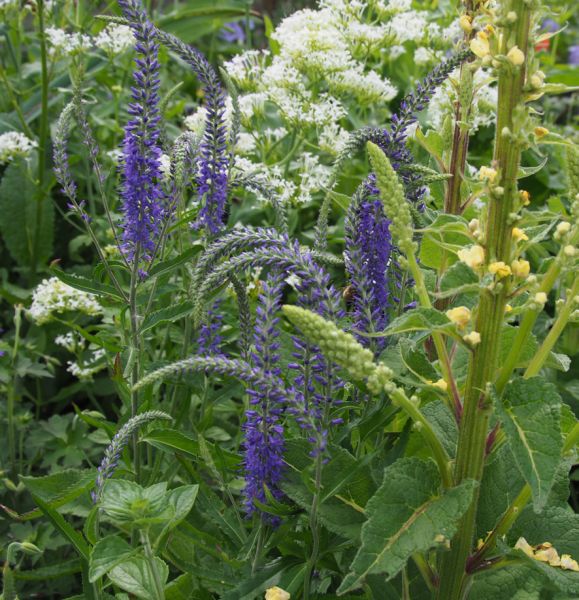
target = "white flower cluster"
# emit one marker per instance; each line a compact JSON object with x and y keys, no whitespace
{"x":85,"y":370}
{"x":14,"y":143}
{"x":113,"y":39}
{"x":54,"y":296}
{"x":483,"y":108}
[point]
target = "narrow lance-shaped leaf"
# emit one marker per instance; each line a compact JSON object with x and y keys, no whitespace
{"x":530,"y":412}
{"x":408,"y":514}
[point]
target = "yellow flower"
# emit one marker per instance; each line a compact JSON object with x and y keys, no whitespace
{"x":516,"y":56}
{"x":546,"y":553}
{"x":500,"y":269}
{"x":521,"y":268}
{"x":525,"y":197}
{"x":441,"y":384}
{"x":472,"y":339}
{"x":541,"y":132}
{"x":519,"y":235}
{"x":480,"y":45}
{"x":459,"y":316}
{"x":276,"y":593}
{"x":568,"y":563}
{"x":465,"y":23}
{"x":487,"y":174}
{"x":474,"y":256}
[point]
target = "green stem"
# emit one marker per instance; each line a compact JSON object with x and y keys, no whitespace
{"x":437,"y":337}
{"x":526,"y":327}
{"x":400,"y":399}
{"x":314,"y":528}
{"x":159,"y":588}
{"x":489,"y":321}
{"x":133,"y":357}
{"x":553,"y":335}
{"x":43,"y":138}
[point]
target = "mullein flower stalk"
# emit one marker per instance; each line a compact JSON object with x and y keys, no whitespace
{"x":214,"y":160}
{"x":263,"y":445}
{"x":483,"y":362}
{"x":114,"y":450}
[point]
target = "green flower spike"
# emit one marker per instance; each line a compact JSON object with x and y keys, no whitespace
{"x":336,"y":345}
{"x":393,"y":198}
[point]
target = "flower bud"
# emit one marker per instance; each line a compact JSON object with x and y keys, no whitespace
{"x":487,"y":174}
{"x":541,"y":132}
{"x":460,"y":316}
{"x":563,"y":228}
{"x":525,"y":197}
{"x":540,"y":298}
{"x":440,"y":384}
{"x":465,"y":23}
{"x":570,"y":250}
{"x":472,"y":339}
{"x":516,"y":56}
{"x":519,"y":235}
{"x":521,"y":268}
{"x":480,"y":45}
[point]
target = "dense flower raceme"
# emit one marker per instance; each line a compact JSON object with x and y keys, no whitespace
{"x":214,"y":159}
{"x":264,"y":440}
{"x":141,"y":188}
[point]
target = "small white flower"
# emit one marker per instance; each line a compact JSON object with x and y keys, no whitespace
{"x":14,"y":143}
{"x":115,"y":39}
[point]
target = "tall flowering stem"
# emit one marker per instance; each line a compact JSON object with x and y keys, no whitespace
{"x":368,"y":255}
{"x":483,"y":364}
{"x":264,"y":440}
{"x":141,"y":188}
{"x":213,"y":166}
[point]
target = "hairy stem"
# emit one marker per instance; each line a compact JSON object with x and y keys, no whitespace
{"x":484,"y":360}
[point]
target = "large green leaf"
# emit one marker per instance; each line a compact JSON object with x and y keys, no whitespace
{"x":408,"y":514}
{"x":78,"y":282}
{"x":136,"y":576}
{"x":530,"y":412}
{"x":442,"y":240}
{"x":27,"y":221}
{"x":515,"y":582}
{"x":107,"y":554}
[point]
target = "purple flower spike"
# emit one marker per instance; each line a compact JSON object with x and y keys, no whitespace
{"x":141,"y":189}
{"x":264,"y":440}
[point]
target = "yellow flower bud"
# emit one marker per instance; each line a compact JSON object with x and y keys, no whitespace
{"x":541,"y":132}
{"x":460,"y":316}
{"x":473,"y":225}
{"x":276,"y":593}
{"x":516,"y":56}
{"x":521,"y":268}
{"x":440,"y":384}
{"x":472,"y":338}
{"x":474,"y":256}
{"x":465,"y":23}
{"x":536,"y":81}
{"x":570,"y":251}
{"x":480,"y":45}
{"x":519,"y":235}
{"x":508,"y":308}
{"x":500,"y":269}
{"x":487,"y":174}
{"x":525,"y":197}
{"x":541,"y":298}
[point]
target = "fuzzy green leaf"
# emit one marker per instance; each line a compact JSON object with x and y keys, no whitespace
{"x":107,"y":554}
{"x":530,"y":412}
{"x":419,"y":319}
{"x":170,"y":314}
{"x":25,"y":215}
{"x":406,"y":515}
{"x":135,"y":576}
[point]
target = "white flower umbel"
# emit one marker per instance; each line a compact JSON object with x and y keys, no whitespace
{"x":67,"y":43}
{"x":13,"y":144}
{"x":115,"y":39}
{"x":53,"y":296}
